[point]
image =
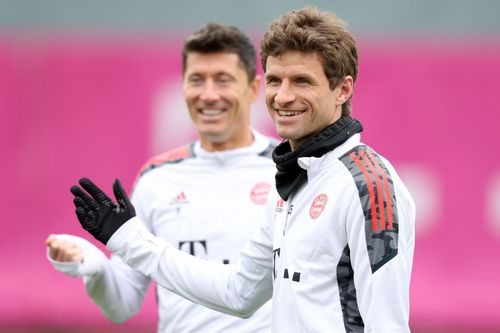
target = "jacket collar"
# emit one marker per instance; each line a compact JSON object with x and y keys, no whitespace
{"x":290,"y":175}
{"x":260,"y":143}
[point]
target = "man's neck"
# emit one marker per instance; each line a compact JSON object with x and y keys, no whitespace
{"x":213,"y":145}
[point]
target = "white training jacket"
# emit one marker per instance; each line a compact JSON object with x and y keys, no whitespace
{"x":189,"y":198}
{"x":335,"y":257}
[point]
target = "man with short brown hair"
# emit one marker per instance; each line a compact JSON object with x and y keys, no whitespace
{"x":335,"y":252}
{"x":227,"y":171}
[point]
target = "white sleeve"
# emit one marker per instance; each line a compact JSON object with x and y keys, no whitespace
{"x":93,"y":258}
{"x":117,"y":289}
{"x":238,"y":289}
{"x":382,"y":261}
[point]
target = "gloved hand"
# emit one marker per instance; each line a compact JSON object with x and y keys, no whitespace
{"x":97,"y":213}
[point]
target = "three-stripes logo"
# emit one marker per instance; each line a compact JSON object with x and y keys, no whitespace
{"x":370,"y":170}
{"x":179,"y":198}
{"x":378,"y":202}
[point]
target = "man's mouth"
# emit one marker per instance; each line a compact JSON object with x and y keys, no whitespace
{"x":289,"y":113}
{"x":211,"y":112}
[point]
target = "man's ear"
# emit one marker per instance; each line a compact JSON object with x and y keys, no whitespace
{"x":345,"y":90}
{"x":255,"y":87}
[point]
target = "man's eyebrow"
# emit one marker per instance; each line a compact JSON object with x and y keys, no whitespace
{"x":303,"y":76}
{"x":224,"y":73}
{"x":194,"y":74}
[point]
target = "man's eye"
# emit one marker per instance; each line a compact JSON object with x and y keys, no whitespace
{"x":271,"y":80}
{"x":224,"y":79}
{"x":195,"y":80}
{"x":302,"y":81}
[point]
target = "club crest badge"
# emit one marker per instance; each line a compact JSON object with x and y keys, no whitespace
{"x":318,"y":205}
{"x":259,"y":193}
{"x":279,"y":205}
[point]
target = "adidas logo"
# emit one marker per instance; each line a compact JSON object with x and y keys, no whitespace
{"x":179,"y":198}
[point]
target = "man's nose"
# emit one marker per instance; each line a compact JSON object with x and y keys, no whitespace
{"x":284,"y":95}
{"x":209,"y":92}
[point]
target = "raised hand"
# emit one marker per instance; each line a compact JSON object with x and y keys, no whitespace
{"x":62,"y":250}
{"x":97,"y":213}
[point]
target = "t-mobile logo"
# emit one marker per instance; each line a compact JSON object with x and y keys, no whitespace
{"x":197,"y":248}
{"x":287,"y":274}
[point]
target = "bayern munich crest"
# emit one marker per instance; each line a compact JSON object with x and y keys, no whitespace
{"x":259,"y":193}
{"x":318,"y":206}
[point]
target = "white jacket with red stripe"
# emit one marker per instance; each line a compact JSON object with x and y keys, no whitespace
{"x":335,"y":257}
{"x":177,"y":196}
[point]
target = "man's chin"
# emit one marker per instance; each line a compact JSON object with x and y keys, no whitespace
{"x":215,"y":137}
{"x":285,"y":134}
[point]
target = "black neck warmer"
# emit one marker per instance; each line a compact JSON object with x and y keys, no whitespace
{"x":290,"y":176}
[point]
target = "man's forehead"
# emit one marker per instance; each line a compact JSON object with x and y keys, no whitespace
{"x":194,"y":57}
{"x":293,"y":61}
{"x":214,"y":62}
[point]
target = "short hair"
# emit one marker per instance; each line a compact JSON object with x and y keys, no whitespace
{"x":309,"y":30}
{"x":221,"y":38}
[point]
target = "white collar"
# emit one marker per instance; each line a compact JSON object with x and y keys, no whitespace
{"x":259,"y":144}
{"x":313,"y":164}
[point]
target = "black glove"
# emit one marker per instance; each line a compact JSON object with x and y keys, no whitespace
{"x":97,"y":213}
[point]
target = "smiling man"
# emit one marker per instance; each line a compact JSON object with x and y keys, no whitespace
{"x":218,"y":93}
{"x":299,"y":97}
{"x":226,"y":172}
{"x":336,"y":249}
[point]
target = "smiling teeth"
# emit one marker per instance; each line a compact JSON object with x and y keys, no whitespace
{"x":288,"y":113}
{"x":211,"y":112}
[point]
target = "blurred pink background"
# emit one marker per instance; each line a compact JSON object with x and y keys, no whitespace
{"x":99,"y":108}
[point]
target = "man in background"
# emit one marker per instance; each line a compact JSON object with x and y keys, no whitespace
{"x":335,"y":252}
{"x":226,"y":173}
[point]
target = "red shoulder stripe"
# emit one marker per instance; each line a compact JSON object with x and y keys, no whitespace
{"x":386,"y":188}
{"x":168,"y":156}
{"x":370,"y":190}
{"x":175,"y":154}
{"x":380,"y":195}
